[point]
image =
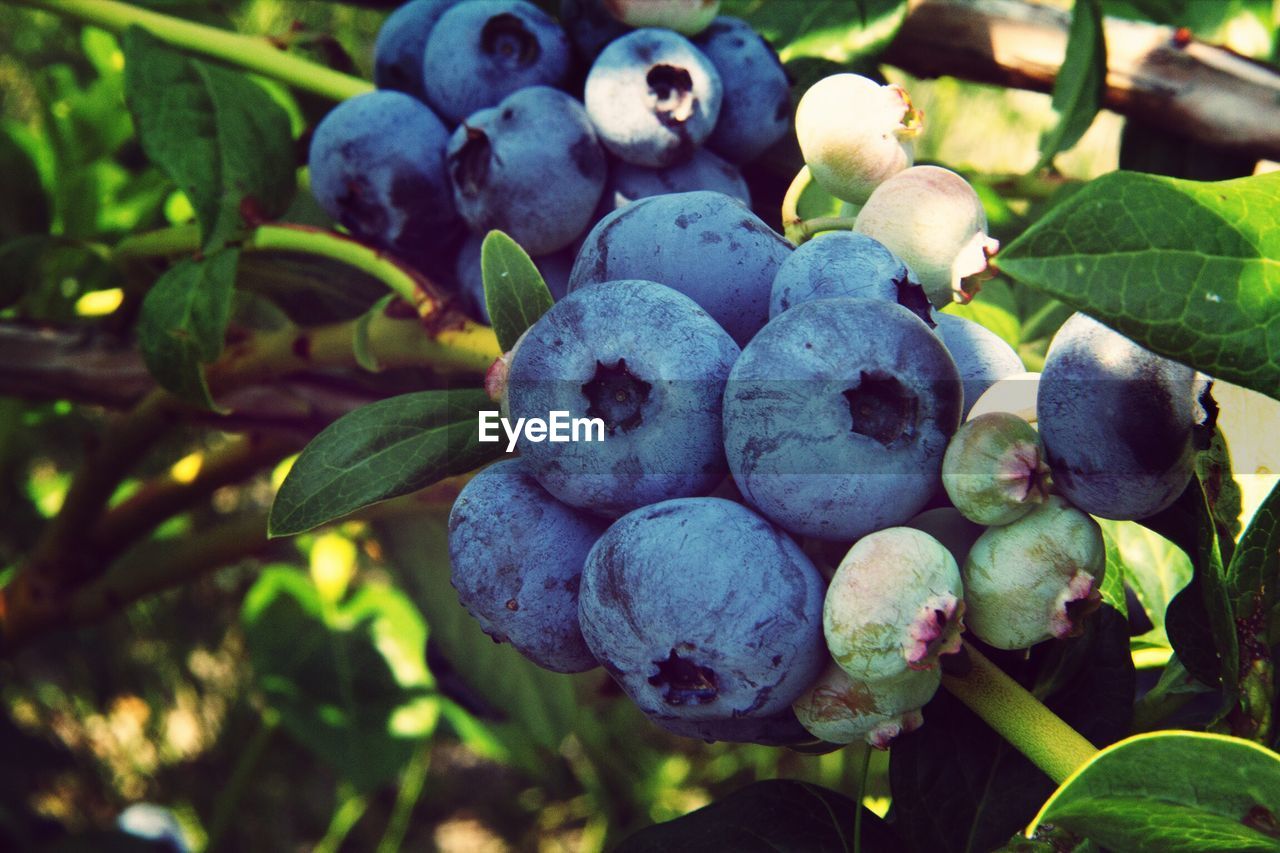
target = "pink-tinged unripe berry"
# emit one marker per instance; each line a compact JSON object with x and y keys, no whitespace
{"x":855,"y":134}
{"x":1036,"y":578}
{"x":689,"y":17}
{"x":932,"y":219}
{"x":894,"y":604}
{"x":1015,"y":394}
{"x":993,"y":470}
{"x":838,"y":709}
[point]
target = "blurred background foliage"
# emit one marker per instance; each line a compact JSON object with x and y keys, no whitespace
{"x":336,"y":695}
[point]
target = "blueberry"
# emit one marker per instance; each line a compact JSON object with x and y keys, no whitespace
{"x":517,"y":555}
{"x":704,"y":244}
{"x":554,"y":268}
{"x":648,"y":362}
{"x":481,"y":51}
{"x":838,"y":709}
{"x":1035,"y":578}
{"x":841,"y":263}
{"x":702,"y":610}
{"x":397,"y":53}
{"x":1119,"y":423}
{"x":653,"y":97}
{"x":932,"y":219}
{"x":837,"y":415}
{"x":855,"y":134}
{"x":946,"y":524}
{"x":702,"y":171}
{"x":378,"y":167}
{"x":981,"y":355}
{"x":894,"y":605}
{"x":756,"y":110}
{"x":590,"y":26}
{"x":531,"y":167}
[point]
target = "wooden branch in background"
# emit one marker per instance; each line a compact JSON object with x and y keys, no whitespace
{"x":1189,"y":88}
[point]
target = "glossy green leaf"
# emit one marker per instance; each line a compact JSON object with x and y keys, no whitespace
{"x":833,"y":30}
{"x":381,"y":451}
{"x":1186,"y":269}
{"x":349,"y":679}
{"x":775,"y":816}
{"x":215,"y":132}
{"x":183,"y":323}
{"x":1254,"y":571}
{"x":1199,"y":620}
{"x":1174,"y":792}
{"x":528,"y":706}
{"x":1081,"y":82}
{"x":514,"y":291}
{"x":1154,"y":568}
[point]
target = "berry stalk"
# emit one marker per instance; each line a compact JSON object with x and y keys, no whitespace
{"x":1018,"y":717}
{"x":252,"y":53}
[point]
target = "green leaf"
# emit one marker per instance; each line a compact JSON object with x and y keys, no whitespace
{"x":1199,"y":620}
{"x":1154,"y":568}
{"x":360,"y":346}
{"x":1187,"y":269}
{"x":534,"y":707}
{"x":958,"y":786}
{"x":514,"y":292}
{"x":1226,"y":499}
{"x":834,"y":30}
{"x":349,"y":680}
{"x":1081,"y":82}
{"x":24,"y":207}
{"x":381,"y":451}
{"x":768,"y":817}
{"x":183,"y":323}
{"x":1173,"y":792}
{"x":1112,"y":588}
{"x":215,"y":132}
{"x":1254,"y":571}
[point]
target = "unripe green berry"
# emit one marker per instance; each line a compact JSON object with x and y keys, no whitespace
{"x":894,"y":604}
{"x":1015,"y":394}
{"x":1036,"y":578}
{"x":993,"y":470}
{"x":689,"y":17}
{"x":855,"y":134}
{"x":838,"y":709}
{"x":932,"y":219}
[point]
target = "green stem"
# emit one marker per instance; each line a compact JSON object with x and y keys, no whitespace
{"x":178,"y":240}
{"x":253,"y":53}
{"x":791,"y":220}
{"x":326,"y":244}
{"x":234,"y":790}
{"x":862,"y":795}
{"x":809,"y":227}
{"x":351,"y":807}
{"x":411,"y":783}
{"x":1020,"y":718}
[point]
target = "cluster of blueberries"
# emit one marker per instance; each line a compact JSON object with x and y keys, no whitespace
{"x":811,"y":478}
{"x":491,"y":114}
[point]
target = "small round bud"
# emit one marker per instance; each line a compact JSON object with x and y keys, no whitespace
{"x":894,"y":604}
{"x":855,"y":134}
{"x":689,"y":17}
{"x":838,"y":709}
{"x":1014,"y":394}
{"x":993,"y":471}
{"x":932,"y":219}
{"x":1036,"y":578}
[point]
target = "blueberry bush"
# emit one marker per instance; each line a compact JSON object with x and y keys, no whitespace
{"x":916,"y":369}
